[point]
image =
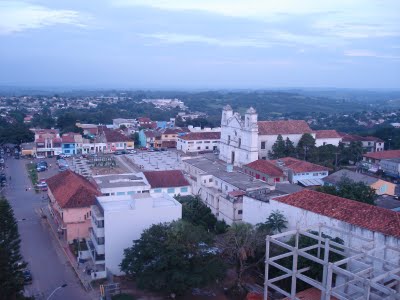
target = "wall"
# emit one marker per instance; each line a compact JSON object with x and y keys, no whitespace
{"x":263,"y":176}
{"x":122,"y":227}
{"x":176,"y":191}
{"x":255,"y":211}
{"x":271,"y":139}
{"x":197,"y":145}
{"x":309,"y":175}
{"x":77,"y":222}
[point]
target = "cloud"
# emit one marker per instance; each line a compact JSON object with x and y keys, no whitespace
{"x":18,"y":16}
{"x":177,"y":38}
{"x":369,"y":53}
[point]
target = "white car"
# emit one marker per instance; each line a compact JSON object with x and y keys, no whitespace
{"x":40,"y":156}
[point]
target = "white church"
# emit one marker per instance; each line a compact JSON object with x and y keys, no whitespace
{"x":246,"y":140}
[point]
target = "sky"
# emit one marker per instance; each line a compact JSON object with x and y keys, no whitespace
{"x":206,"y":44}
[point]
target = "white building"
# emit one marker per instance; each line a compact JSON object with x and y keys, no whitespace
{"x":121,"y":184}
{"x":128,"y":123}
{"x":303,"y":172}
{"x":309,"y":208}
{"x":246,"y":140}
{"x":327,"y":137}
{"x":220,"y":187}
{"x":198,"y":141}
{"x":171,"y":182}
{"x":118,"y":220}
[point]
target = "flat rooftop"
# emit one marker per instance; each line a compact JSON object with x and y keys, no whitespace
{"x":136,"y":201}
{"x":119,"y":180}
{"x":219,"y":170}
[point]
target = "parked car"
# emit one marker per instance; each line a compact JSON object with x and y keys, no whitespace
{"x":42,"y":186}
{"x":41,"y":168}
{"x":132,"y":151}
{"x":118,"y":153}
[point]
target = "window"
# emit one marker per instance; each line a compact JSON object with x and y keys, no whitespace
{"x":263,"y":178}
{"x":184,"y":189}
{"x":240,"y":212}
{"x":262,"y":145}
{"x":210,"y":180}
{"x":226,"y":187}
{"x":240,"y":142}
{"x":157,"y":190}
{"x":207,"y":148}
{"x":229,"y":139}
{"x":170,"y":190}
{"x":199,"y":142}
{"x":120,"y":193}
{"x":198,"y":148}
{"x":257,"y":176}
{"x":264,"y":158}
{"x":130,"y":193}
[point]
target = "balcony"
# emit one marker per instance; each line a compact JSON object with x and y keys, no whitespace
{"x":98,"y":231}
{"x":98,"y":259}
{"x":94,"y":239}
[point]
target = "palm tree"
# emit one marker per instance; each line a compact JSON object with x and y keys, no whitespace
{"x":276,"y":222}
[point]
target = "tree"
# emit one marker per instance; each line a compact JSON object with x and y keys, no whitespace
{"x":276,"y":222}
{"x":173,"y":257}
{"x":290,"y":150}
{"x":350,"y":189}
{"x":240,"y":245}
{"x":11,"y":266}
{"x":197,"y":213}
{"x":305,"y":145}
{"x":278,"y":148}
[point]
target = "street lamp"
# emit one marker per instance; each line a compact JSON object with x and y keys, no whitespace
{"x":60,"y":287}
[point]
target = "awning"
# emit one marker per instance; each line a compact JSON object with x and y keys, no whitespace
{"x":311,"y":182}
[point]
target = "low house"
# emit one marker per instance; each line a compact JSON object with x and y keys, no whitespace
{"x":150,"y":138}
{"x":28,"y":149}
{"x":169,"y":137}
{"x":303,"y":172}
{"x":47,"y":142}
{"x":265,"y":170}
{"x":199,"y":141}
{"x":369,"y":143}
{"x":118,"y":220}
{"x":128,"y":123}
{"x":71,"y":143}
{"x":381,"y":187}
{"x":114,"y":140}
{"x":121,"y":184}
{"x":144,"y":122}
{"x":71,"y":196}
{"x":171,"y":182}
{"x":390,"y":167}
{"x":376,"y":157}
{"x":327,"y":137}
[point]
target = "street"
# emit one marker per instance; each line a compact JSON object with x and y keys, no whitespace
{"x":39,"y":248}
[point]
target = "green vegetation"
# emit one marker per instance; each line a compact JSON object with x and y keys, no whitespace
{"x":123,"y":297}
{"x":173,"y":258}
{"x":276,"y":222}
{"x":349,"y":189}
{"x":11,"y":276}
{"x":197,"y":213}
{"x":32,"y":173}
{"x":14,"y":133}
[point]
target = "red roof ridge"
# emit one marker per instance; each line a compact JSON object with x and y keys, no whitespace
{"x":166,"y":178}
{"x":283,"y":127}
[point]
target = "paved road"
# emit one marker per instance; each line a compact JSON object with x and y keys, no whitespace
{"x":39,"y":248}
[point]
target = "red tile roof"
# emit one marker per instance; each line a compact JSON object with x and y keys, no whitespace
{"x":172,"y":131}
{"x":144,"y":119}
{"x":358,"y":138}
{"x":72,"y":190}
{"x":165,"y":179}
{"x":208,"y":135}
{"x":283,"y":127}
{"x":383,"y":154}
{"x":68,"y":137}
{"x":266,"y":167}
{"x":236,"y":193}
{"x":327,"y":134}
{"x":114,"y":136}
{"x":353,"y":212}
{"x":300,"y":166}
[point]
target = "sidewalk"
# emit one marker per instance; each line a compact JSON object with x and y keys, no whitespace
{"x":81,"y":274}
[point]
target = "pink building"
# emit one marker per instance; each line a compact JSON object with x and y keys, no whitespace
{"x":71,"y":196}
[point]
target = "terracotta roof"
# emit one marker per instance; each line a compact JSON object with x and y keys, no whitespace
{"x":165,"y":179}
{"x":358,"y":138}
{"x":283,"y":127}
{"x":46,"y":131}
{"x":72,"y":190}
{"x":383,"y":154}
{"x":236,"y":193}
{"x":327,"y":134}
{"x":353,"y":212}
{"x":266,"y":167}
{"x":68,"y":137}
{"x":207,"y":135}
{"x":309,"y":294}
{"x":299,"y":166}
{"x":172,"y":131}
{"x":144,"y":119}
{"x":113,"y":136}
{"x":373,"y":139}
